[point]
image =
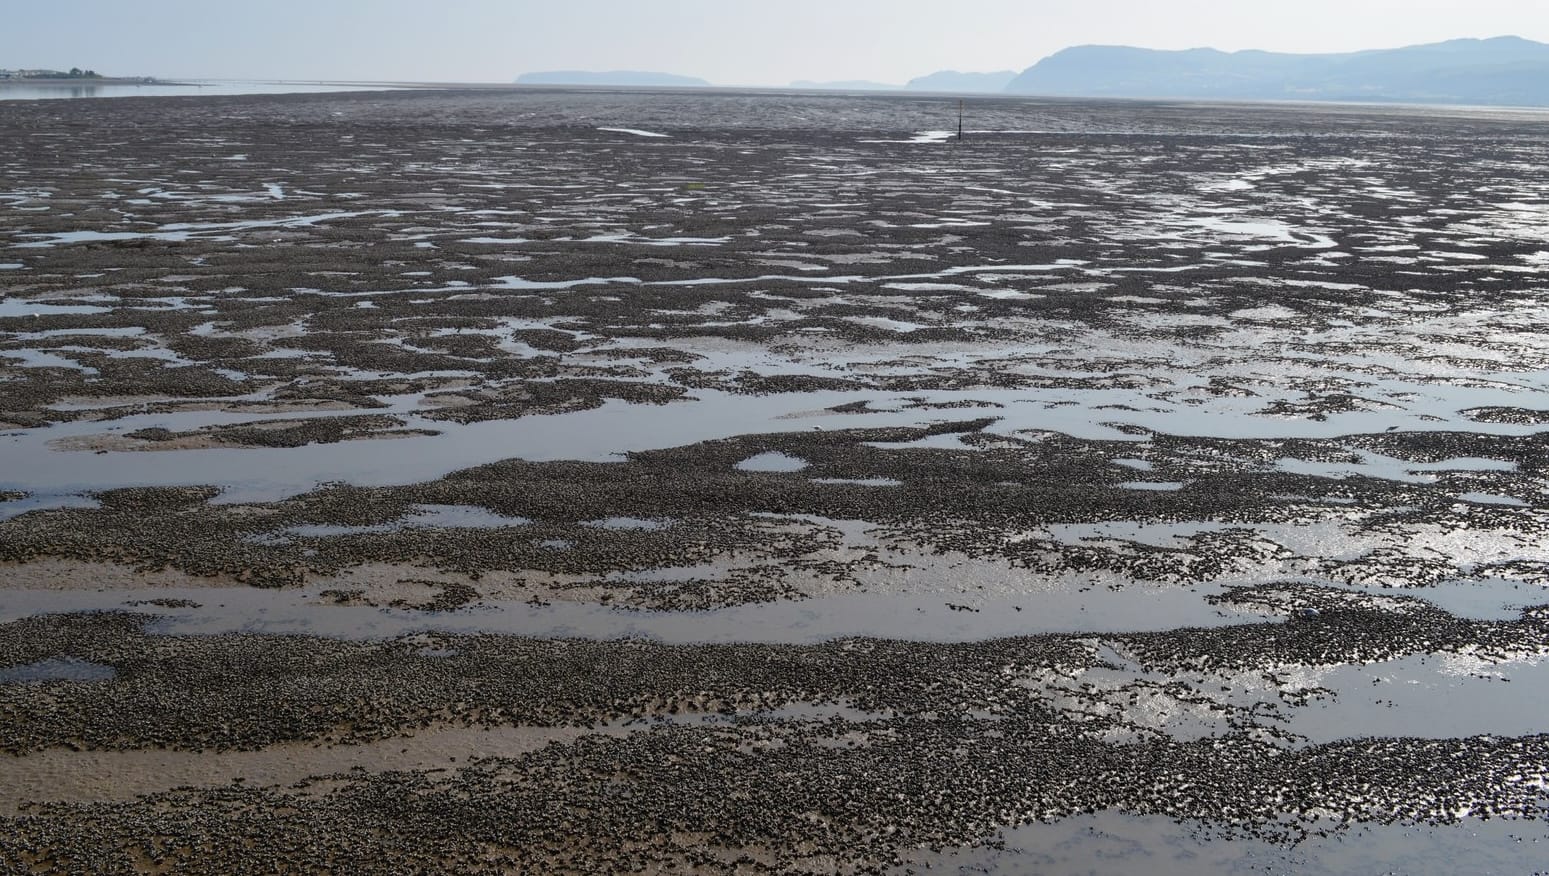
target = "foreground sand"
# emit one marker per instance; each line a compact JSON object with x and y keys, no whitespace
{"x":459,"y":482}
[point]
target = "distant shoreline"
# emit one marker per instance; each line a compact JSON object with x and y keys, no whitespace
{"x":195,"y":88}
{"x":76,"y":83}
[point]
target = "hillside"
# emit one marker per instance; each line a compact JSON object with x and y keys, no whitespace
{"x":1500,"y":71}
{"x":952,"y":80}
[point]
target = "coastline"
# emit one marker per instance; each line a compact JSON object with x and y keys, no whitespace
{"x":76,"y":83}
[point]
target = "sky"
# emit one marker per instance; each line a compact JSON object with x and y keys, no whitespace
{"x":729,"y":42}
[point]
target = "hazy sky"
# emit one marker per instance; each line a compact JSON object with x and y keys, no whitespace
{"x":730,"y":42}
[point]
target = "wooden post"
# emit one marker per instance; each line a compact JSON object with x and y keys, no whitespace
{"x":960,"y":118}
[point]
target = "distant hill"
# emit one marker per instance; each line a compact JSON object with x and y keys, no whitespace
{"x":613,"y":77}
{"x":844,"y":85}
{"x":1508,"y":71}
{"x":951,"y":80}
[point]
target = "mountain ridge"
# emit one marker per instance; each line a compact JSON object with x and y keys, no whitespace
{"x":952,"y":80}
{"x":1501,"y":70}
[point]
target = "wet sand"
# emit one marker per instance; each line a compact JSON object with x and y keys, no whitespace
{"x":578,"y":481}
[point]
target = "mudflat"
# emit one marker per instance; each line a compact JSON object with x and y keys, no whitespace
{"x":589,"y":481}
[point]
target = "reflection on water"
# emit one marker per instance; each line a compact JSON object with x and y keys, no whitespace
{"x":1114,"y":843}
{"x":919,"y":617}
{"x":57,"y":669}
{"x":17,"y":91}
{"x":40,"y":92}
